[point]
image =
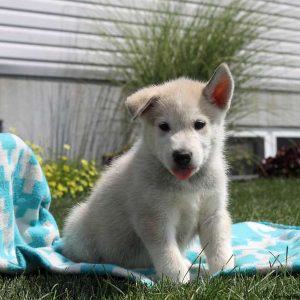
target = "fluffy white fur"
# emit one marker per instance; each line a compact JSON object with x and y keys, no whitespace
{"x":140,"y":214}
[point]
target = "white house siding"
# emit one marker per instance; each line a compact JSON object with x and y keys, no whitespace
{"x":54,"y":113}
{"x":47,"y":43}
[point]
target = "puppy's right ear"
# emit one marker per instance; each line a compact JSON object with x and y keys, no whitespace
{"x":141,"y":102}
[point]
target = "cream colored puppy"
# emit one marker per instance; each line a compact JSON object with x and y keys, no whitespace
{"x":169,"y":187}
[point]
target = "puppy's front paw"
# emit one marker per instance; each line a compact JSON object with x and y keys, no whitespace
{"x":181,"y":276}
{"x":188,"y":263}
{"x":230,"y":264}
{"x":220,"y":263}
{"x":186,"y":277}
{"x":177,"y":271}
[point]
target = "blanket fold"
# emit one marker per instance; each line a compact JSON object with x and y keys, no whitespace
{"x":29,"y":237}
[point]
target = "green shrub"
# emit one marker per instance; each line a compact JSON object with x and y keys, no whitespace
{"x":66,"y":177}
{"x":286,"y":163}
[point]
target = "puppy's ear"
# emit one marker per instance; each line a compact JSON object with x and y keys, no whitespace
{"x":141,"y":102}
{"x":220,"y":87}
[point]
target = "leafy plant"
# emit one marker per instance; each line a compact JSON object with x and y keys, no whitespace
{"x":175,"y":42}
{"x":67,"y":177}
{"x":70,"y":178}
{"x":286,"y":163}
{"x":37,"y":150}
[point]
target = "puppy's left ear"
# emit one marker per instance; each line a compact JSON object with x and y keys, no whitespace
{"x":141,"y":102}
{"x":220,"y":88}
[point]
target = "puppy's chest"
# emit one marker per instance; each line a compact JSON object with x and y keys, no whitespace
{"x":186,"y":216}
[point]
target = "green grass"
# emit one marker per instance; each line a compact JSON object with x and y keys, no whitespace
{"x":274,"y":200}
{"x":269,"y":200}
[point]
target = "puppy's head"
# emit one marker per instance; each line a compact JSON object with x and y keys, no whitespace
{"x":183,"y":119}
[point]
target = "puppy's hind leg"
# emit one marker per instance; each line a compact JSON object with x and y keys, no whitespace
{"x":76,"y":236}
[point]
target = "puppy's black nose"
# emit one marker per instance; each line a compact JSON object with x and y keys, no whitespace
{"x":182,"y":157}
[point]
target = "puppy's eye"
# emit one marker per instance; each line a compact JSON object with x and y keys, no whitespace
{"x":199,"y":124}
{"x":164,"y":126}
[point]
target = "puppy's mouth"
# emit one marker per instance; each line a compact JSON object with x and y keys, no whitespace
{"x":182,"y":173}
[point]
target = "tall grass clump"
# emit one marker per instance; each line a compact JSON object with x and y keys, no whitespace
{"x":85,"y":116}
{"x":176,"y":40}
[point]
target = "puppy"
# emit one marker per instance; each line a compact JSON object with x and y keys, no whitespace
{"x":169,"y":187}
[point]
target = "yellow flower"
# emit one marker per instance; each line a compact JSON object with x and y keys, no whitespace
{"x":12,"y":130}
{"x":66,"y":168}
{"x":72,"y":183}
{"x":84,"y":162}
{"x":60,"y":187}
{"x":67,"y":147}
{"x":92,"y":173}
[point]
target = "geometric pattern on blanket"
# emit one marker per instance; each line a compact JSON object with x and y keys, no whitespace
{"x":29,"y":237}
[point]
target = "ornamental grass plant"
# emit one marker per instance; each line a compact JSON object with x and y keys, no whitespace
{"x":177,"y":40}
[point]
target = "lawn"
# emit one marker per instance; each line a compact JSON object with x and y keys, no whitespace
{"x":268,"y":200}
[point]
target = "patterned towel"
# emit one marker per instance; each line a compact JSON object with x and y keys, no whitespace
{"x":29,"y":237}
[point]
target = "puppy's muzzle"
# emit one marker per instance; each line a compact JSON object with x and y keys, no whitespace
{"x":182,"y":158}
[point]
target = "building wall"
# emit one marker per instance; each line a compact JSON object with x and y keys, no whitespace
{"x":53,"y":53}
{"x":272,"y":115}
{"x":52,"y":113}
{"x":55,"y":112}
{"x":65,"y":38}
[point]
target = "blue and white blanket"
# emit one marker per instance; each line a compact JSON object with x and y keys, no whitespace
{"x":29,"y":237}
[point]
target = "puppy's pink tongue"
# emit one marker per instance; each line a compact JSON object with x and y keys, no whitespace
{"x":182,"y":174}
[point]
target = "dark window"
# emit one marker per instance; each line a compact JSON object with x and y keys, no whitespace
{"x":287,"y":141}
{"x":244,"y":154}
